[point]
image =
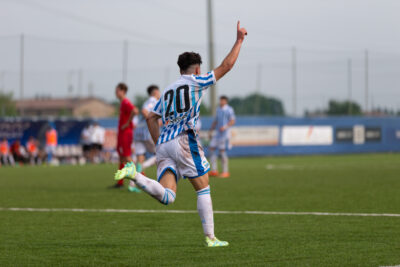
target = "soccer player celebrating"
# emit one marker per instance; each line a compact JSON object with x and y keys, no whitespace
{"x":143,"y":141}
{"x":125,"y":128}
{"x":179,"y":153}
{"x":223,"y":121}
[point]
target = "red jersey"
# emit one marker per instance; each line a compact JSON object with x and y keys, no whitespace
{"x":125,"y":111}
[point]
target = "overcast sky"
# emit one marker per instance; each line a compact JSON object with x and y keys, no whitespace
{"x":65,"y":38}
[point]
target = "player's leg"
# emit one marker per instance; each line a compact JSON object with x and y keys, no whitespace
{"x":124,"y":149}
{"x":196,"y":168}
{"x":132,"y":186}
{"x":164,"y":191}
{"x":204,"y":204}
{"x":224,"y":163}
{"x":122,"y":161}
{"x":205,"y":209}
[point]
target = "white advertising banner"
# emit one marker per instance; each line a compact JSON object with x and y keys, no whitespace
{"x":358,"y":134}
{"x":255,"y":136}
{"x":307,"y":135}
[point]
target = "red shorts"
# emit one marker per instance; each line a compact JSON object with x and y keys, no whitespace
{"x":124,"y":143}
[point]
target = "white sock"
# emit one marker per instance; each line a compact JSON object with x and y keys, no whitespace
{"x":205,"y":209}
{"x":149,"y":162}
{"x":224,"y":161}
{"x":155,"y":189}
{"x":213,"y":159}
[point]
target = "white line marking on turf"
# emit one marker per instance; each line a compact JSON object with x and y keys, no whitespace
{"x":195,"y":211}
{"x":280,"y":167}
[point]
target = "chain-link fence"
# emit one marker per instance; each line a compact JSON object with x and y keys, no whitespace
{"x":303,"y":78}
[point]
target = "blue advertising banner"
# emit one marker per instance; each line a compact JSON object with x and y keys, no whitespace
{"x":251,"y":136}
{"x":69,"y":131}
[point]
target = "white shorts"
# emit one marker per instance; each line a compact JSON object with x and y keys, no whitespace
{"x":220,"y":142}
{"x":183,"y":155}
{"x":141,"y":147}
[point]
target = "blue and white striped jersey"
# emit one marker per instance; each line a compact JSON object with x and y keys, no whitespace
{"x":179,"y":105}
{"x":224,"y":115}
{"x":142,"y":132}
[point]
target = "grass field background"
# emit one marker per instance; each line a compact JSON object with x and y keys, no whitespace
{"x":352,"y":183}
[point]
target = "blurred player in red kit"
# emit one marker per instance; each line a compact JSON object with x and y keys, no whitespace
{"x":125,"y":128}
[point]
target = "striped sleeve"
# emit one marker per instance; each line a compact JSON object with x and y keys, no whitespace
{"x":205,"y":80}
{"x":157,"y":108}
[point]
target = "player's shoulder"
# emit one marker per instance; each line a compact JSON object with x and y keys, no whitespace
{"x":150,"y":102}
{"x":202,"y":80}
{"x":205,"y":76}
{"x":126,"y":101}
{"x":231,"y":110}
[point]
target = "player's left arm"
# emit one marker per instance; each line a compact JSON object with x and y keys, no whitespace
{"x":231,"y":122}
{"x":153,"y":125}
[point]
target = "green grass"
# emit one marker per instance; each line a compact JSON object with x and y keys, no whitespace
{"x":354,"y":184}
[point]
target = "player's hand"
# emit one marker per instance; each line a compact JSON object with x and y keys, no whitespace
{"x":241,"y":32}
{"x":223,"y":128}
{"x":123,"y":127}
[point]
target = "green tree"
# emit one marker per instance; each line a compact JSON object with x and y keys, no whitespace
{"x":340,"y":108}
{"x":67,"y":113}
{"x":204,"y":110}
{"x":257,"y":104}
{"x":115,"y":104}
{"x":139,"y":100}
{"x":7,"y":105}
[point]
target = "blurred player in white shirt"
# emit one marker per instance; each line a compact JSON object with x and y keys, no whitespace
{"x":143,"y":141}
{"x":179,"y":153}
{"x":224,"y":119}
{"x":97,"y":141}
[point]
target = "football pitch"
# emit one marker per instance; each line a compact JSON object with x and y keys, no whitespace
{"x":311,"y":211}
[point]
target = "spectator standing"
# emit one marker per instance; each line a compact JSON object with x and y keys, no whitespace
{"x":6,"y":156}
{"x":86,"y":143}
{"x":97,"y":141}
{"x":51,"y":142}
{"x":33,"y":151}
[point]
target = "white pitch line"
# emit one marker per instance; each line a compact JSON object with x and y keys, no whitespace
{"x":195,"y":211}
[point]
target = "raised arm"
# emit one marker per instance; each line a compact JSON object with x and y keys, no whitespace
{"x":230,"y":59}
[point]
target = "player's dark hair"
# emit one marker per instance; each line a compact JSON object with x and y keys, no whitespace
{"x":151,"y":88}
{"x":187,"y":59}
{"x":122,"y":87}
{"x":224,"y":97}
